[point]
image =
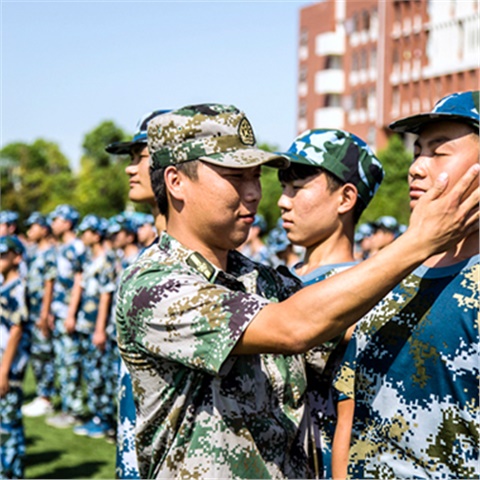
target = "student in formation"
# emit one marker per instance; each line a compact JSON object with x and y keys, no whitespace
{"x":97,"y":362}
{"x":15,"y":340}
{"x":70,"y":253}
{"x":42,"y":271}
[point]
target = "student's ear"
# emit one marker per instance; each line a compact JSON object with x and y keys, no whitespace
{"x":174,"y":182}
{"x":348,"y":198}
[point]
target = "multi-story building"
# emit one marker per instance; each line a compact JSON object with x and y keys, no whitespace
{"x":365,"y":63}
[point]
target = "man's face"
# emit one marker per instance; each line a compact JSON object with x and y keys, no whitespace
{"x":309,"y":210}
{"x":220,"y":205}
{"x":444,"y":146}
{"x":138,"y":171}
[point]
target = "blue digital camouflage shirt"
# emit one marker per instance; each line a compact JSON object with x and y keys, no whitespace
{"x":70,"y":257}
{"x":322,"y":364}
{"x":201,"y":412}
{"x":98,"y":277}
{"x":13,"y":311}
{"x":42,"y":266}
{"x":413,"y":368}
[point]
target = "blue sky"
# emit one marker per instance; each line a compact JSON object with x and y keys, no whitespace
{"x":67,"y":66}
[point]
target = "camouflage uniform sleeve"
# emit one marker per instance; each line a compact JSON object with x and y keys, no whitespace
{"x":181,"y":317}
{"x":107,"y":279}
{"x":50,"y":265}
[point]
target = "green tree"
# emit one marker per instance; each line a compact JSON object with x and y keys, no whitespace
{"x":34,"y":177}
{"x":392,"y":196}
{"x":102,"y":184}
{"x":271,"y":190}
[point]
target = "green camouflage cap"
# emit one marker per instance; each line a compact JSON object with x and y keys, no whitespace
{"x":458,"y":107}
{"x":343,"y":154}
{"x":214,"y":133}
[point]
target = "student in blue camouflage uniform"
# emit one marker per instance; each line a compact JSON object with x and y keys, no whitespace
{"x":332,"y":177}
{"x":254,"y":248}
{"x":98,"y":285}
{"x":42,"y":271}
{"x":14,"y":352}
{"x":412,"y":366}
{"x":140,"y":192}
{"x":66,"y":298}
{"x":198,"y":322}
{"x":8,"y":222}
{"x":146,"y":230}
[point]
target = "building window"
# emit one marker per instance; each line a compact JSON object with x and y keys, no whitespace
{"x":302,"y":76}
{"x":304,"y":37}
{"x":363,"y":59}
{"x":365,"y":20}
{"x":363,"y":99}
{"x":354,"y":104}
{"x":373,"y":57}
{"x":354,"y":61}
{"x":302,"y":110}
{"x":355,"y":22}
{"x":333,"y":62}
{"x":333,"y":100}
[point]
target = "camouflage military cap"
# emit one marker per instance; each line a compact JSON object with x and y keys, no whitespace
{"x":386,"y":223}
{"x":37,"y":218}
{"x":67,"y":212}
{"x":8,"y":217}
{"x":458,"y":107}
{"x":94,"y":223}
{"x":343,"y":154}
{"x":215,"y":133}
{"x":139,"y":137}
{"x":122,"y":221}
{"x":11,"y":243}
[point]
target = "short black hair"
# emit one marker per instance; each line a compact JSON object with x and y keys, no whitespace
{"x":300,"y":171}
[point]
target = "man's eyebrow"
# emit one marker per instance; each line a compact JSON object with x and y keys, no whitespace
{"x":433,"y":141}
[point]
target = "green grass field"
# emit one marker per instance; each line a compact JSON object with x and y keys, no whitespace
{"x":56,"y":453}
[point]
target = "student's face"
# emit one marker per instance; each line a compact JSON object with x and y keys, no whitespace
{"x":381,"y":238}
{"x":36,"y":232}
{"x":90,"y":238}
{"x":309,"y":210}
{"x":138,"y":171}
{"x":8,"y":261}
{"x":60,"y":226}
{"x":146,"y":233}
{"x":220,"y":204}
{"x":441,"y":147}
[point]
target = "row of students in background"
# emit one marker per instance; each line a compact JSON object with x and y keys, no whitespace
{"x":62,"y":303}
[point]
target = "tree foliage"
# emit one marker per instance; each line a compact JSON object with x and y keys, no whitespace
{"x":392,"y":196}
{"x":34,"y":177}
{"x":102,"y":184}
{"x":271,"y":191}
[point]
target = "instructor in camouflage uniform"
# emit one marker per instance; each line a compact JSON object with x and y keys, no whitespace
{"x":212,"y":341}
